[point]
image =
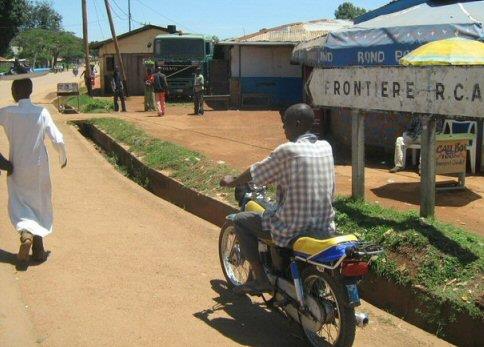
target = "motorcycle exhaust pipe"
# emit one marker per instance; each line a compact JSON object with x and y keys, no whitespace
{"x":362,"y":319}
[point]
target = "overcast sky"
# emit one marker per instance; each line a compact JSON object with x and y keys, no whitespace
{"x":223,"y":18}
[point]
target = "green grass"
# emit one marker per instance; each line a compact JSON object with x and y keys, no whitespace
{"x":91,"y":105}
{"x":192,"y":169}
{"x":445,"y":260}
{"x":4,"y":68}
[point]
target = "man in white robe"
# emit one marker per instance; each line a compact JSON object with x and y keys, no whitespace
{"x":29,"y":186}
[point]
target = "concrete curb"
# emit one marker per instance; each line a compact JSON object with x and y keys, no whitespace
{"x":412,"y":304}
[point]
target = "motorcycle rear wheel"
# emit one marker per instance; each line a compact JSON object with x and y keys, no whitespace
{"x":340,"y":332}
{"x":235,"y":268}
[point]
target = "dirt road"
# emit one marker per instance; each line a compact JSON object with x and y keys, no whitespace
{"x":44,"y":90}
{"x":129,"y":269}
{"x":241,"y":138}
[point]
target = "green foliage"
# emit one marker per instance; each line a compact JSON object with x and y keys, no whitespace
{"x":42,"y":15}
{"x":445,"y":260}
{"x":41,"y":44}
{"x":12,"y":17}
{"x":348,"y":11}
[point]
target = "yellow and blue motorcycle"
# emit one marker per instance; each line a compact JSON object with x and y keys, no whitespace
{"x":314,"y":282}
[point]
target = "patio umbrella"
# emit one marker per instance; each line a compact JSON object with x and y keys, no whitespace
{"x":453,"y":51}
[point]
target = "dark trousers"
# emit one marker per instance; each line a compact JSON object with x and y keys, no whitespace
{"x":119,"y":95}
{"x":248,"y":226}
{"x":198,"y":102}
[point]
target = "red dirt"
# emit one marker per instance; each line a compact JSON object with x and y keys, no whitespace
{"x":241,"y":138}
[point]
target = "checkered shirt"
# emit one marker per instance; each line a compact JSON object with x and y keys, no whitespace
{"x":303,"y":172}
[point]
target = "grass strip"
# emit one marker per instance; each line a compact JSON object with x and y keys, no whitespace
{"x":89,"y":104}
{"x":192,"y":169}
{"x":445,"y":260}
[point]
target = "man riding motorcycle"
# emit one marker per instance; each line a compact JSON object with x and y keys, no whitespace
{"x":303,"y":172}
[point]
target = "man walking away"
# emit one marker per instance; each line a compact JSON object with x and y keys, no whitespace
{"x":29,"y":186}
{"x":118,"y":90}
{"x":198,"y":86}
{"x":160,"y":87}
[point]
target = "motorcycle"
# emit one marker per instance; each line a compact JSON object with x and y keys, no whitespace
{"x":314,"y":282}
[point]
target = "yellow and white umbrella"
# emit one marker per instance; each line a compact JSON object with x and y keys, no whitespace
{"x":454,"y":51}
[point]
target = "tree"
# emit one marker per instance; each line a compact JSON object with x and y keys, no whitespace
{"x":48,"y":45}
{"x":12,"y":17}
{"x":66,"y":45}
{"x":43,"y":16}
{"x":348,"y":11}
{"x":33,"y":44}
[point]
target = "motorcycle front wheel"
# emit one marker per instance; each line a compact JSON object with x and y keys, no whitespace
{"x":235,"y":268}
{"x":339,"y":329}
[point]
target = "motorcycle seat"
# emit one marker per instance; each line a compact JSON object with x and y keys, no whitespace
{"x":308,"y":246}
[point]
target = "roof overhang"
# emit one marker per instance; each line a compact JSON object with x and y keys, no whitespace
{"x":257,"y":43}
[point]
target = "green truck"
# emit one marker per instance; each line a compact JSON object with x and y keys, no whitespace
{"x":179,"y":55}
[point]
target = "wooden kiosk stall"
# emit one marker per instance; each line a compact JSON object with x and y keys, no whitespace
{"x":431,"y":91}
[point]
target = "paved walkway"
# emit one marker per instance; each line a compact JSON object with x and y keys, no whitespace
{"x":130,"y":269}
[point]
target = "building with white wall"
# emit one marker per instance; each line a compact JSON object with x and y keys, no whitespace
{"x":261,"y":73}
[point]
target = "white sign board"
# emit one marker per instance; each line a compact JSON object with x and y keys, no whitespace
{"x":442,"y":90}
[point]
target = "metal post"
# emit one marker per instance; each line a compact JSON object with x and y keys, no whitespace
{"x":357,"y":155}
{"x":427,"y":190}
{"x":87,"y":71}
{"x":115,"y":40}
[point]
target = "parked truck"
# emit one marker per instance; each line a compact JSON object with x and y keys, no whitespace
{"x":179,"y":55}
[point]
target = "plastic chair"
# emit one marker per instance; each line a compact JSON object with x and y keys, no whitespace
{"x":464,"y":127}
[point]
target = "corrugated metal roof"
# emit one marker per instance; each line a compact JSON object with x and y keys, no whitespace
{"x":293,"y":33}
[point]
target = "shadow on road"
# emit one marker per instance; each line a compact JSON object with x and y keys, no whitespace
{"x":250,"y":324}
{"x":410,"y":193}
{"x":11,"y":258}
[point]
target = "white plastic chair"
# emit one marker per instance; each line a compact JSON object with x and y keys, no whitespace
{"x":464,"y":127}
{"x":414,"y":147}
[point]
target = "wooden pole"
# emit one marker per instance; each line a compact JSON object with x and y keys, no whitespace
{"x":116,"y":46}
{"x":240,"y":76}
{"x":427,"y":167}
{"x":357,"y":155}
{"x":87,"y":71}
{"x":129,"y":14}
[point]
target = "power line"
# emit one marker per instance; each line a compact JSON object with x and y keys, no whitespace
{"x":119,"y":7}
{"x":98,"y":20}
{"x":162,"y":15}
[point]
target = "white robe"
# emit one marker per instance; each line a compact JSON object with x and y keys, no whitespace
{"x":29,"y":187}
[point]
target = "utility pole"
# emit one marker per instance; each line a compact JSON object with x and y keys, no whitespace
{"x":115,"y":40}
{"x":129,"y":14}
{"x":87,"y":71}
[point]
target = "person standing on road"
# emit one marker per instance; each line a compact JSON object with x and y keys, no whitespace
{"x":149,"y":94}
{"x":118,"y":90}
{"x":160,"y":87}
{"x":29,"y":186}
{"x":198,"y":87}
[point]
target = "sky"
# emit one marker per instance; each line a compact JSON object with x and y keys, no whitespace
{"x":223,"y":18}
